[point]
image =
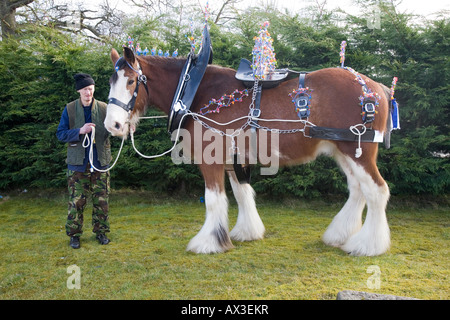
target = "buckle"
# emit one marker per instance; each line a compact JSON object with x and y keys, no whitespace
{"x":369,"y":107}
{"x":142,"y":78}
{"x":256,"y":113}
{"x":368,"y":111}
{"x":179,"y":106}
{"x":301,"y":102}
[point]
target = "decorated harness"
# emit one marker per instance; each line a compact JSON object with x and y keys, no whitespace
{"x":261,"y":74}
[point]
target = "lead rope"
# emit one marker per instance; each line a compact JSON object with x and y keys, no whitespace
{"x":89,"y":143}
{"x":165,"y":152}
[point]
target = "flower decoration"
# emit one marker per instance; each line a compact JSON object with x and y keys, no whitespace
{"x":264,"y":60}
{"x":367,"y":93}
{"x":191,"y":38}
{"x":138,"y":49}
{"x":394,"y":83}
{"x":395,"y":116}
{"x":342,"y":53}
{"x":206,"y":12}
{"x":130,"y":43}
{"x":302,"y":110}
{"x":225,"y":101}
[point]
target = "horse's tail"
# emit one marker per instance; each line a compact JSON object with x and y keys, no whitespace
{"x":387,"y":134}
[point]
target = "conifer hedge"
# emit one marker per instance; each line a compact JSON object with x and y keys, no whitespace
{"x":37,"y":66}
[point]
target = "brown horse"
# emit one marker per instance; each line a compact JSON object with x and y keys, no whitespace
{"x":334,"y":104}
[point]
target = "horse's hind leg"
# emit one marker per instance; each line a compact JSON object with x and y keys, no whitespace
{"x":348,"y":221}
{"x":248,"y":225}
{"x":374,"y":237}
{"x":213,"y":236}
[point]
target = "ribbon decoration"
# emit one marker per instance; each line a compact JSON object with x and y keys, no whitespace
{"x":342,"y":53}
{"x":395,"y":116}
{"x":196,"y":44}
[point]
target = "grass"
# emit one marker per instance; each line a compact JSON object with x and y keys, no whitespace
{"x":147,"y":259}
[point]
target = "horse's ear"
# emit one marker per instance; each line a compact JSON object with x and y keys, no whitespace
{"x":114,"y":56}
{"x":129,"y":55}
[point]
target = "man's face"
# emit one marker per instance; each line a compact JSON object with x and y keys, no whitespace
{"x":87,"y":94}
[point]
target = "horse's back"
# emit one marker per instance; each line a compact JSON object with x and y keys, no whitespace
{"x":336,"y":101}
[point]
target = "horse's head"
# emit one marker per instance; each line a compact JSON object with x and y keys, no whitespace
{"x":127,"y":97}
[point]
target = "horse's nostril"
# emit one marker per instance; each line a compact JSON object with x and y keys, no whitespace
{"x":117,"y":126}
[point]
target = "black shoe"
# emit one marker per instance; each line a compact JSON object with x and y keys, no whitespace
{"x":75,"y":242}
{"x":101,"y":237}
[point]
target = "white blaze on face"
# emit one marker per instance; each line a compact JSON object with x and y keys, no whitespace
{"x":116,"y":116}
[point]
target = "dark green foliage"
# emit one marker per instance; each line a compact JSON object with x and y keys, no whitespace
{"x":36,"y":83}
{"x":36,"y":70}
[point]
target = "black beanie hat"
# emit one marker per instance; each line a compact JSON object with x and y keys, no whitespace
{"x":82,"y":80}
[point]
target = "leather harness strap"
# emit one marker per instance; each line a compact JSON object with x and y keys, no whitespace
{"x":128,"y":107}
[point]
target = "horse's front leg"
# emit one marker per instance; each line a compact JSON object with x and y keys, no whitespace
{"x":213,"y":236}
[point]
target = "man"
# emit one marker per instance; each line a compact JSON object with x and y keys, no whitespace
{"x":78,"y":119}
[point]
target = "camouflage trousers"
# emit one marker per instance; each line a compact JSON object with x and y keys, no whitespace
{"x":81,"y":185}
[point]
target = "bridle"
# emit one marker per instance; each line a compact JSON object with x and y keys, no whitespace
{"x":128,"y":107}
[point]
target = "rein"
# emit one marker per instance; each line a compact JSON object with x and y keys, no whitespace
{"x":88,"y":143}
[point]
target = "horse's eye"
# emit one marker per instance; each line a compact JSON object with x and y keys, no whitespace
{"x":130,"y":82}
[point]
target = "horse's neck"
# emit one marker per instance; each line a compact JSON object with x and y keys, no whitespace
{"x":163,"y":75}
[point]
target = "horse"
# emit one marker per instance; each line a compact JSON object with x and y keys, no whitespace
{"x":334,"y":104}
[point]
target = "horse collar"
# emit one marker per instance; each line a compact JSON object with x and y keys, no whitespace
{"x":189,"y":81}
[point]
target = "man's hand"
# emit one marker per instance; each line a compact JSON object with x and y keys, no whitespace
{"x":86,"y":128}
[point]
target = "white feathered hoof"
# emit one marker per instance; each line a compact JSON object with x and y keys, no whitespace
{"x":368,"y":243}
{"x":333,"y":238}
{"x":217,"y":241}
{"x":247,"y":232}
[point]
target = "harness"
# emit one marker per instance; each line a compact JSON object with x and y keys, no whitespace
{"x":192,"y":75}
{"x":368,"y":100}
{"x":128,"y":107}
{"x":302,"y":102}
{"x":245,"y":73}
{"x":193,"y":72}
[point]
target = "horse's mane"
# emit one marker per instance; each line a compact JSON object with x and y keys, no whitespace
{"x":176,"y":62}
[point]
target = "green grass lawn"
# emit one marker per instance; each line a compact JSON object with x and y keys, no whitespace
{"x":147,"y":256}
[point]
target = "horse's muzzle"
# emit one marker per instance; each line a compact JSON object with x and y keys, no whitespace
{"x":116,"y":121}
